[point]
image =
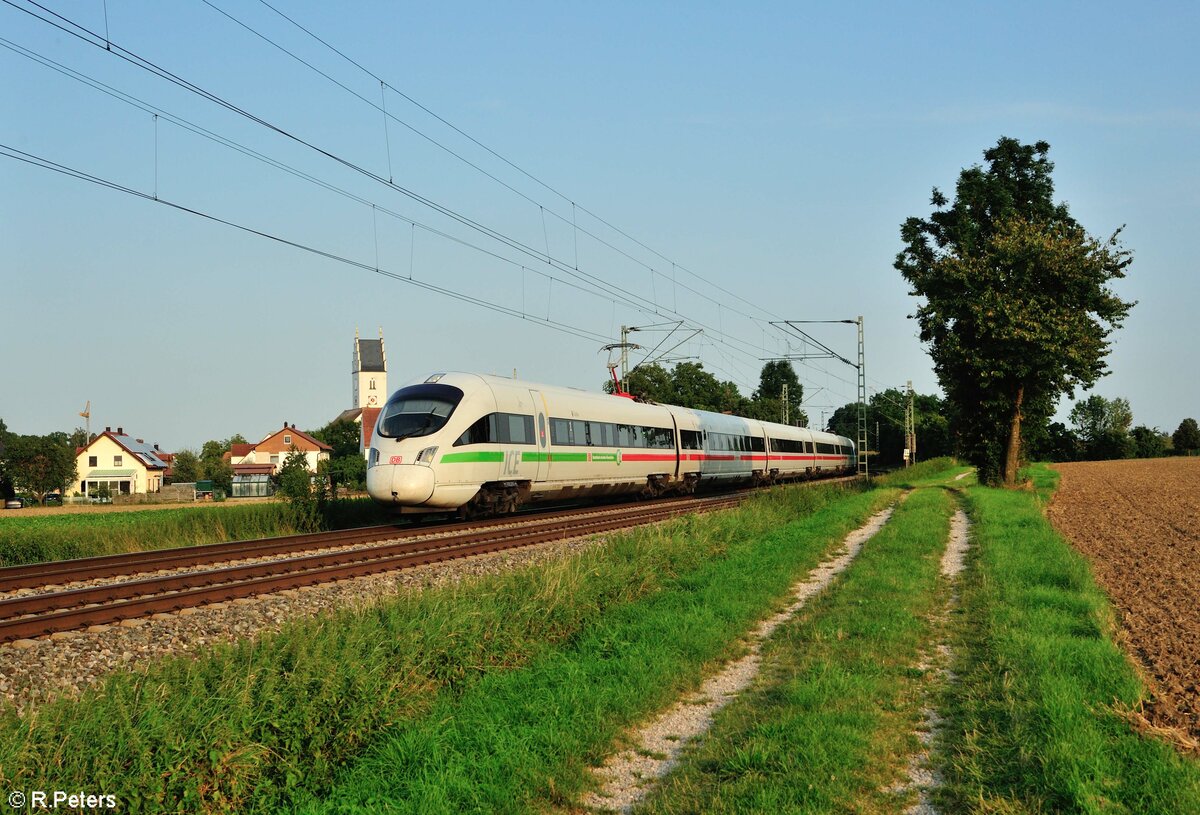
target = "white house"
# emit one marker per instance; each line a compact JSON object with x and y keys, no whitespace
{"x":128,"y":466}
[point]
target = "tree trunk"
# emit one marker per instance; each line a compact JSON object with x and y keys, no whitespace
{"x":1012,"y":459}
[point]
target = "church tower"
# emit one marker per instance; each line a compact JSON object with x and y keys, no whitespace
{"x":369,"y":372}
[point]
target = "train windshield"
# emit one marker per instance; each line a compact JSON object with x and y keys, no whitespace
{"x":418,"y":410}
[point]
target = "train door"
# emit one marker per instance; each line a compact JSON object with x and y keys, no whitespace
{"x":541,"y":430}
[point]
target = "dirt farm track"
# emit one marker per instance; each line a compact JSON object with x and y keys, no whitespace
{"x":1138,"y":522}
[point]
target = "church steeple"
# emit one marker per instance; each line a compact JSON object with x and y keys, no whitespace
{"x":369,"y":372}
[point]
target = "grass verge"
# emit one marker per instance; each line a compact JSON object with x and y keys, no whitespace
{"x":72,"y":535}
{"x":263,"y":725}
{"x":828,"y":726}
{"x":1036,"y":722}
{"x":524,"y":740}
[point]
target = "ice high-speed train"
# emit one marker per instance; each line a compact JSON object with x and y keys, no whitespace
{"x":486,"y":445}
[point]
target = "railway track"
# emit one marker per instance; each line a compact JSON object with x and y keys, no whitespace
{"x":358,"y":552}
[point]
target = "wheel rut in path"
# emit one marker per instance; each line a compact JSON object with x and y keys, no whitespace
{"x":923,"y":775}
{"x":627,"y":777}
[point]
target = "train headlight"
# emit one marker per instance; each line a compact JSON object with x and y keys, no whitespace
{"x":426,"y":456}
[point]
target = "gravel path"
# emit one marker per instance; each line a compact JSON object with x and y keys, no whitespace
{"x":628,"y":776}
{"x":923,"y":777}
{"x":35,"y":671}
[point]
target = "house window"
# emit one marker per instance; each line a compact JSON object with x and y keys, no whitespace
{"x":93,"y":461}
{"x":118,"y":460}
{"x":287,"y":439}
{"x":274,"y":459}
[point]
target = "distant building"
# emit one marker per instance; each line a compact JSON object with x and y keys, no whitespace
{"x":368,"y":373}
{"x":128,"y":466}
{"x":269,"y":454}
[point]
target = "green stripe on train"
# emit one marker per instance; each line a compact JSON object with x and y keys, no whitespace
{"x":464,"y":458}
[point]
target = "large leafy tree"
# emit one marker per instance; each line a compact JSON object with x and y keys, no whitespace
{"x":1102,"y":427}
{"x":1186,"y":437}
{"x":1016,"y":308}
{"x":885,"y":410}
{"x":767,"y":401}
{"x":39,"y":464}
{"x":186,"y":467}
{"x":213,"y":465}
{"x":1149,"y":442}
{"x":347,"y":467}
{"x":6,"y":488}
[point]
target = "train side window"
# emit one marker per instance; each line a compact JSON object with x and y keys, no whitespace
{"x":758,"y":444}
{"x":808,"y":447}
{"x":560,"y":431}
{"x":691,"y":440}
{"x":578,"y":433}
{"x":658,"y":437}
{"x":516,"y":428}
{"x":481,"y":432}
{"x":602,"y":434}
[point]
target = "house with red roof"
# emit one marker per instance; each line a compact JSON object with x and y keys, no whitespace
{"x":269,"y":454}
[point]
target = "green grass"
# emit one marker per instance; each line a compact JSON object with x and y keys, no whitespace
{"x":524,"y":740}
{"x":924,"y":474}
{"x":1037,"y":724}
{"x":34,"y":539}
{"x":828,"y":726}
{"x":262,"y":726}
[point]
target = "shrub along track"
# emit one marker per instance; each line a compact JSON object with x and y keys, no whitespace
{"x":1138,"y":522}
{"x":67,"y":610}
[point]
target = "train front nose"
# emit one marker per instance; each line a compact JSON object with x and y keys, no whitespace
{"x":403,"y":484}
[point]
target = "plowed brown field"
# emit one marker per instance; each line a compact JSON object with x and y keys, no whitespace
{"x":1139,"y":524}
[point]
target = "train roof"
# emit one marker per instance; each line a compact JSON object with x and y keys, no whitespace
{"x":465,"y":378}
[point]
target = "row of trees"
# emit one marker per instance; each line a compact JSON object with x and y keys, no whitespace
{"x":41,"y":465}
{"x":687,"y":384}
{"x":37,"y":465}
{"x":1103,"y":429}
{"x":885,"y":426}
{"x":1100,"y":428}
{"x":345,"y":468}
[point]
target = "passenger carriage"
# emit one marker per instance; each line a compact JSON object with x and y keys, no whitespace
{"x":486,"y":444}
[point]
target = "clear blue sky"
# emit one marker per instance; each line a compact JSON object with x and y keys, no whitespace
{"x":771,"y":149}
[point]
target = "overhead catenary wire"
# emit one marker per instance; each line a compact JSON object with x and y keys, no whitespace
{"x":513,"y":165}
{"x":11,"y":152}
{"x":249,"y":152}
{"x":629,"y":299}
{"x":576,"y":229}
{"x":616,"y":294}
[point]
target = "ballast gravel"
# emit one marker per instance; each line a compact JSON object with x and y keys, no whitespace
{"x":33,"y":672}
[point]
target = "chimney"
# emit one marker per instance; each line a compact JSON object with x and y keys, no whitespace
{"x":108,"y":430}
{"x":293,"y":425}
{"x":156,"y":447}
{"x":120,"y":431}
{"x":285,"y":423}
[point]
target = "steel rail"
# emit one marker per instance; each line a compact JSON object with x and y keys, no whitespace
{"x":33,"y":575}
{"x":124,"y":590}
{"x":247,"y":581}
